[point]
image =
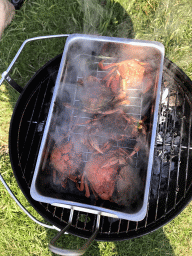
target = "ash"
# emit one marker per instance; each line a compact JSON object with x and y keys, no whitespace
{"x":168,"y":141}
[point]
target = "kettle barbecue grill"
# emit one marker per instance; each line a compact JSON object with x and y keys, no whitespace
{"x":171,"y":180}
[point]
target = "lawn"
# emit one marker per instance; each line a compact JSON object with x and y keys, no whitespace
{"x":166,"y":21}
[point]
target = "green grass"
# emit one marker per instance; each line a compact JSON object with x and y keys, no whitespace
{"x":163,"y":20}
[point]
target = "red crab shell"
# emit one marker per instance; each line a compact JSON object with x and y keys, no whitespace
{"x":101,"y":173}
{"x":65,"y":163}
{"x":104,"y":131}
{"x":99,"y":177}
{"x":128,"y":74}
{"x":93,"y":94}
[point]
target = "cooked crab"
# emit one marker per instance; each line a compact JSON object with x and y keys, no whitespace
{"x":102,"y":172}
{"x":127,"y":74}
{"x":93,"y":94}
{"x":105,"y":131}
{"x":100,"y":175}
{"x":65,"y":164}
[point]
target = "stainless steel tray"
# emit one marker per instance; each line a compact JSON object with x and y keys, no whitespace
{"x":92,"y":127}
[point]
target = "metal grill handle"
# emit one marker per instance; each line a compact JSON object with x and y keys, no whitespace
{"x":81,"y":251}
{"x":6,"y":73}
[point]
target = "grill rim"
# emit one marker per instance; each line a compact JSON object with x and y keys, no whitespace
{"x":44,"y":72}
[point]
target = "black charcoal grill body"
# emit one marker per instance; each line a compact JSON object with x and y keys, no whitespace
{"x":171,"y":181}
{"x":171,"y":188}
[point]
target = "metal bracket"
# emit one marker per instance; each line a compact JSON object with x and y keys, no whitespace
{"x":12,"y":82}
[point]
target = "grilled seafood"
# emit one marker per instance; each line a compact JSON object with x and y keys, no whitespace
{"x":93,"y":94}
{"x":111,"y":177}
{"x":100,"y":174}
{"x":109,"y":173}
{"x":127,"y":74}
{"x":65,"y":163}
{"x":105,"y":131}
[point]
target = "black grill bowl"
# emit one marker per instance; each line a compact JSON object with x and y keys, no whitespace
{"x":171,"y":182}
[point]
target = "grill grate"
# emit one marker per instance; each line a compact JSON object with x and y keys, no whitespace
{"x":171,"y":182}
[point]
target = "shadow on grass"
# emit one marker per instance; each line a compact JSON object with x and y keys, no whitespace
{"x":153,"y":244}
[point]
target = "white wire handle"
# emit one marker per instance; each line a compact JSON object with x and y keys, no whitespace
{"x":5,"y":73}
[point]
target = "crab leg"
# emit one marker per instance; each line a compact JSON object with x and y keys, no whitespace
{"x":101,"y":66}
{"x":84,"y":185}
{"x":112,"y":78}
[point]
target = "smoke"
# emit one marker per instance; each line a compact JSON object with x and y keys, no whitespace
{"x":93,"y":14}
{"x":105,"y":17}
